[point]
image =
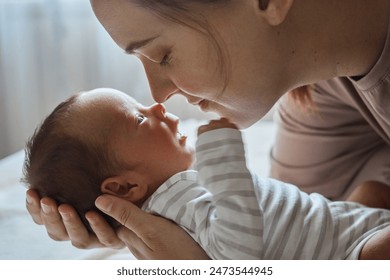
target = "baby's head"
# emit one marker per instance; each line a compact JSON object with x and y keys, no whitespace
{"x":103,"y":141}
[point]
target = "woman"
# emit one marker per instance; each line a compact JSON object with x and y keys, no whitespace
{"x":237,"y":58}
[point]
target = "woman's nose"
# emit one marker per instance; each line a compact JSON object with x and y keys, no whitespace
{"x":162,"y":88}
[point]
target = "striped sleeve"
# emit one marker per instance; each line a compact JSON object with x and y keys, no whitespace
{"x":235,"y":227}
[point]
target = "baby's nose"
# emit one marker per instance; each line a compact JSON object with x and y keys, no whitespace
{"x":158,"y":110}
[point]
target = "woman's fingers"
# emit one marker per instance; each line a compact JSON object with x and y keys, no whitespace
{"x":63,"y":223}
{"x":105,"y":234}
{"x":133,"y":242}
{"x":132,"y":218}
{"x":126,"y":213}
{"x":76,"y":230}
{"x":52,"y":220}
{"x":81,"y":238}
{"x":33,"y":206}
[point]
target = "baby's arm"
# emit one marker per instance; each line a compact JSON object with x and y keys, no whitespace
{"x":235,"y":224}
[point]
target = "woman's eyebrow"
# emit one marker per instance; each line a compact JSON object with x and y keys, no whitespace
{"x":139,"y":44}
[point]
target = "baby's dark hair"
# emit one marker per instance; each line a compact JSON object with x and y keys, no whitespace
{"x":65,"y":167}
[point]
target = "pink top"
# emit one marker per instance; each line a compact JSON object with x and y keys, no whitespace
{"x":345,"y":141}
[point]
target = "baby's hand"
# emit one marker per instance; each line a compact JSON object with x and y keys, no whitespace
{"x":216,"y":124}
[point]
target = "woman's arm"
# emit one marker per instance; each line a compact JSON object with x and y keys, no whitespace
{"x":372,"y":194}
{"x":377,"y":247}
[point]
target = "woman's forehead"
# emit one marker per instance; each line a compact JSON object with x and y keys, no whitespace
{"x":126,"y":22}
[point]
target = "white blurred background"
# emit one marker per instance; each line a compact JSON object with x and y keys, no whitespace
{"x":50,"y":49}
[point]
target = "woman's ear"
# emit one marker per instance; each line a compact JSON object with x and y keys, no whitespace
{"x":274,"y":11}
{"x":122,"y":186}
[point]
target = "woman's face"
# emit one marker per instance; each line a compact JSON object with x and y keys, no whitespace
{"x":178,"y":59}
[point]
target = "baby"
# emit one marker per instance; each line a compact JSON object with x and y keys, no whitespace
{"x":103,"y":141}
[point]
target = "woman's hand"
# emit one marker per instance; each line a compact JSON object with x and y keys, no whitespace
{"x":63,"y":223}
{"x":148,"y":236}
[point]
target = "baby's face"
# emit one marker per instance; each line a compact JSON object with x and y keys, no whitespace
{"x":145,"y":138}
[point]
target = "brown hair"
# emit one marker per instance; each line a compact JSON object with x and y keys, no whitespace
{"x":65,"y":167}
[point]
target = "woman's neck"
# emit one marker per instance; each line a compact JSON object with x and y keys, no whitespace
{"x":334,"y":38}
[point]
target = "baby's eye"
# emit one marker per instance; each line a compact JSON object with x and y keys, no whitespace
{"x":139,"y":118}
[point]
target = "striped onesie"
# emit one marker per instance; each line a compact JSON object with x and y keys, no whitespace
{"x":233,"y":214}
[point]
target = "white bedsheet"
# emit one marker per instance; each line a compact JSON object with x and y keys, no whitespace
{"x":22,"y":239}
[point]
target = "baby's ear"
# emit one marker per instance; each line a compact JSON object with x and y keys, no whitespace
{"x":123,"y":187}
